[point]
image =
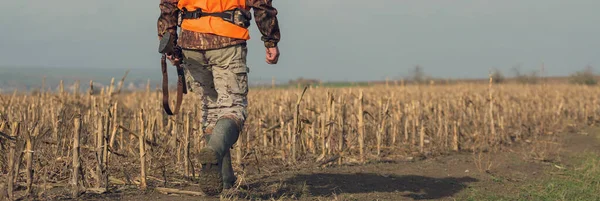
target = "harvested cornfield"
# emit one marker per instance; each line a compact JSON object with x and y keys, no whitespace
{"x":88,"y":142}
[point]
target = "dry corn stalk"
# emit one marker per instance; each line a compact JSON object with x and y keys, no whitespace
{"x":76,"y":163}
{"x":328,"y":123}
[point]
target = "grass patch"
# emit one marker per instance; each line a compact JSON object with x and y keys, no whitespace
{"x":581,"y":182}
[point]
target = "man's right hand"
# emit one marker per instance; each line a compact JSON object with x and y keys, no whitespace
{"x":175,"y":57}
{"x":175,"y":60}
{"x":272,"y":55}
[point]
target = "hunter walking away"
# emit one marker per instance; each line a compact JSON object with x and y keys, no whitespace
{"x":211,"y":47}
{"x":371,"y":103}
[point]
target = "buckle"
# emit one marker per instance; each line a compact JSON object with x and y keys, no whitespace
{"x":229,"y":16}
{"x":197,"y":14}
{"x":191,"y":15}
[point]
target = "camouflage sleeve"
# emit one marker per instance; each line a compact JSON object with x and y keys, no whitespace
{"x":266,"y":19}
{"x":167,"y":21}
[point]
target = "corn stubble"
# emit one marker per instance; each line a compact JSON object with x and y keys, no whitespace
{"x":95,"y":140}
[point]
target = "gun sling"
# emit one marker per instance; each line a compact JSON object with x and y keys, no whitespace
{"x":181,"y":86}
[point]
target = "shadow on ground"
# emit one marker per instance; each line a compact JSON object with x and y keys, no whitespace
{"x":325,"y":184}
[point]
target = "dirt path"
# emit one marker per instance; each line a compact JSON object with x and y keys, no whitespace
{"x":452,"y":177}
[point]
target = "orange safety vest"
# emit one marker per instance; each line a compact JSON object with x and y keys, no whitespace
{"x":212,"y":24}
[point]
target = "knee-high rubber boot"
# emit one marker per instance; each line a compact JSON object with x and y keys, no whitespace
{"x":224,"y":135}
{"x":227,"y":171}
{"x":229,"y":177}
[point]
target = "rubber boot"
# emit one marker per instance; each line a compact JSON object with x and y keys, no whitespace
{"x":229,"y":177}
{"x":225,"y":134}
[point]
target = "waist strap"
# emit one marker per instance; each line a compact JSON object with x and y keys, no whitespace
{"x":226,"y":15}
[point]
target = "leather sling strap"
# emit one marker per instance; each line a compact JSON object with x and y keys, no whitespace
{"x":181,"y":86}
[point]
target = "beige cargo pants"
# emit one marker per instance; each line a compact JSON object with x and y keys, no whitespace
{"x":220,"y":77}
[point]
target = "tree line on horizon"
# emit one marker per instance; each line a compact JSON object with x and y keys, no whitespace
{"x":585,"y":76}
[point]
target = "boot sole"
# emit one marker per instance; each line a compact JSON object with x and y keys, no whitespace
{"x":210,"y":179}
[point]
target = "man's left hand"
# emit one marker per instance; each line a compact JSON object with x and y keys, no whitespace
{"x":272,"y":55}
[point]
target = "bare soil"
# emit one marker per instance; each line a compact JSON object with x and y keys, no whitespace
{"x":448,"y":177}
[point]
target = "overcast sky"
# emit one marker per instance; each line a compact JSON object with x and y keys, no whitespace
{"x":323,"y":39}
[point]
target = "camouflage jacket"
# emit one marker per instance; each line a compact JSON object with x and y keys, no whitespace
{"x":264,"y":16}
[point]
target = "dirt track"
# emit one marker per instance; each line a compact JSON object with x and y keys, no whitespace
{"x":450,"y":177}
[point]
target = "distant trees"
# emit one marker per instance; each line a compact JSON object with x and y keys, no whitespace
{"x":418,"y":76}
{"x":497,"y":76}
{"x":531,"y":78}
{"x":584,"y":77}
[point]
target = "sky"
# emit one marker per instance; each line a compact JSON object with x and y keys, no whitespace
{"x":331,"y":40}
